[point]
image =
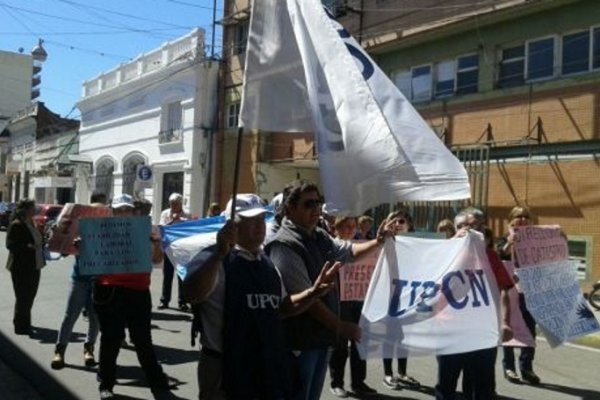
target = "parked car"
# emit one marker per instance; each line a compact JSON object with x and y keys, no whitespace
{"x":6,"y":210}
{"x":46,"y":214}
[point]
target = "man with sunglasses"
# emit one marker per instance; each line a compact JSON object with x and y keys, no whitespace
{"x":299,"y":251}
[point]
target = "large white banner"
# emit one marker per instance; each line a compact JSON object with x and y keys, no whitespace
{"x":304,"y":72}
{"x":430,"y":297}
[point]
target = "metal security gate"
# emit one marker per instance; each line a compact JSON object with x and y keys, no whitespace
{"x":427,"y":214}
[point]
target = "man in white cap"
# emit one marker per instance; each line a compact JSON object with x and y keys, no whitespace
{"x":123,"y":300}
{"x":242,"y":300}
{"x":172,"y":215}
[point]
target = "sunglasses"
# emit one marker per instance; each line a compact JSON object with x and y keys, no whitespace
{"x":312,"y":203}
{"x":522,"y":216}
{"x":401,"y":221}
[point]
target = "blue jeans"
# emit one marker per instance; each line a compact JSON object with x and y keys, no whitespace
{"x":80,"y":295}
{"x":312,"y":366}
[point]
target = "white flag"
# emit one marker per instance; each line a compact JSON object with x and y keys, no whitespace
{"x":430,"y":296}
{"x":304,"y":72}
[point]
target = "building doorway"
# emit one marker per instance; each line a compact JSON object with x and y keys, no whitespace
{"x":172,"y":182}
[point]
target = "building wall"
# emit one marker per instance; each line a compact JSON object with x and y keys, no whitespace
{"x":15,"y":83}
{"x":126,"y":117}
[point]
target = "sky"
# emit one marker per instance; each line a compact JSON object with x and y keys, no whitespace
{"x":86,"y":37}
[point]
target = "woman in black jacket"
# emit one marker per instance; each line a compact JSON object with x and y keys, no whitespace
{"x":25,"y":260}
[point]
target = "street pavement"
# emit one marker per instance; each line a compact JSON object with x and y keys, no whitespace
{"x":568,"y":372}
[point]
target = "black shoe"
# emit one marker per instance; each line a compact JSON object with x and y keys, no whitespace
{"x":527,"y":375}
{"x":338,"y":392}
{"x":106,"y":394}
{"x":511,"y":376}
{"x":183,"y":307}
{"x":391,"y":383}
{"x":164,"y":384}
{"x":162,"y":306}
{"x":362,"y":389}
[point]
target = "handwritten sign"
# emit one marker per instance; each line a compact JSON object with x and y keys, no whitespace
{"x":67,"y":226}
{"x":538,"y":245}
{"x":554,"y":298}
{"x":115,"y":245}
{"x":355,"y":277}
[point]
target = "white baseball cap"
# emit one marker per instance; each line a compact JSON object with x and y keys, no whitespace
{"x":247,"y":205}
{"x":122,"y":200}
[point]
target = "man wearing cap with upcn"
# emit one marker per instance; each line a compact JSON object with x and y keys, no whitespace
{"x":123,"y":300}
{"x":242,"y":301}
{"x":172,"y":215}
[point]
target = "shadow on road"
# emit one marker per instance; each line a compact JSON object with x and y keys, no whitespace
{"x":18,"y":361}
{"x":44,"y":335}
{"x":584,"y":394}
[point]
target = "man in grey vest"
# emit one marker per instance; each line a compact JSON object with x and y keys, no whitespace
{"x":299,"y":250}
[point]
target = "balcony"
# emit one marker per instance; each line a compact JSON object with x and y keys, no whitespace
{"x":170,"y":136}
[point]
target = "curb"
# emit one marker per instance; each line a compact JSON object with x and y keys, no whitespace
{"x":37,"y":378}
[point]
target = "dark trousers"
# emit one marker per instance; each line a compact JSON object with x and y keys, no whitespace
{"x":387,"y":366}
{"x":25,"y":285}
{"x":118,"y":307}
{"x":349,"y":311}
{"x":167,"y":283}
{"x":527,"y":353}
{"x":479,"y":380}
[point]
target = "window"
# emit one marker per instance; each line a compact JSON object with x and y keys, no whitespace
{"x":596,"y":49}
{"x":467,"y":74}
{"x":233,"y":111}
{"x":540,"y":58}
{"x":171,"y":123}
{"x":402,"y":81}
{"x":336,"y":7}
{"x":576,"y":52}
{"x":512,"y":67}
{"x":240,"y":39}
{"x":421,"y":83}
{"x":445,"y":73}
{"x":580,"y":253}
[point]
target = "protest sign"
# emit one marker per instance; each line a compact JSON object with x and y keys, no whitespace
{"x":114,"y":245}
{"x":549,"y":282}
{"x":538,"y":245}
{"x":554,"y":298}
{"x":430,"y":297}
{"x":522,"y":337}
{"x":67,"y":226}
{"x":355,"y":277}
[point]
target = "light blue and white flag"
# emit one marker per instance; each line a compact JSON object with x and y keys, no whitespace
{"x":190,"y":243}
{"x":304,"y":72}
{"x":186,"y":243}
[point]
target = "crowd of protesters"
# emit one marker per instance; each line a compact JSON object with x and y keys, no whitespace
{"x":269,"y":309}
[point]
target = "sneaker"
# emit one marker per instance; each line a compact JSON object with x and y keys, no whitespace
{"x":338,"y":392}
{"x":391,"y":383}
{"x":106,"y":394}
{"x":162,"y":306}
{"x":183,"y":307}
{"x":527,"y":375}
{"x":362,"y":389}
{"x":511,"y":376}
{"x":408,"y":381}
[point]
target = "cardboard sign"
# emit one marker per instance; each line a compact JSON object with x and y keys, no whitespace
{"x":355,"y":277}
{"x":67,"y":226}
{"x":536,"y":245}
{"x":115,"y":245}
{"x":554,"y":298}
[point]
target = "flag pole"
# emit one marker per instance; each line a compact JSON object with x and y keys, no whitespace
{"x":236,"y":172}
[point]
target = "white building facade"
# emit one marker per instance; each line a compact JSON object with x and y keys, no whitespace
{"x":157,"y":111}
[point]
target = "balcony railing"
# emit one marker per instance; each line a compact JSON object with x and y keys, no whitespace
{"x":170,"y":136}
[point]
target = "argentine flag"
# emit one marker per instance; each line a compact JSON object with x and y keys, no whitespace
{"x":190,"y":243}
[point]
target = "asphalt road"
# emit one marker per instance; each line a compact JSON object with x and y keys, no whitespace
{"x":568,"y":372}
